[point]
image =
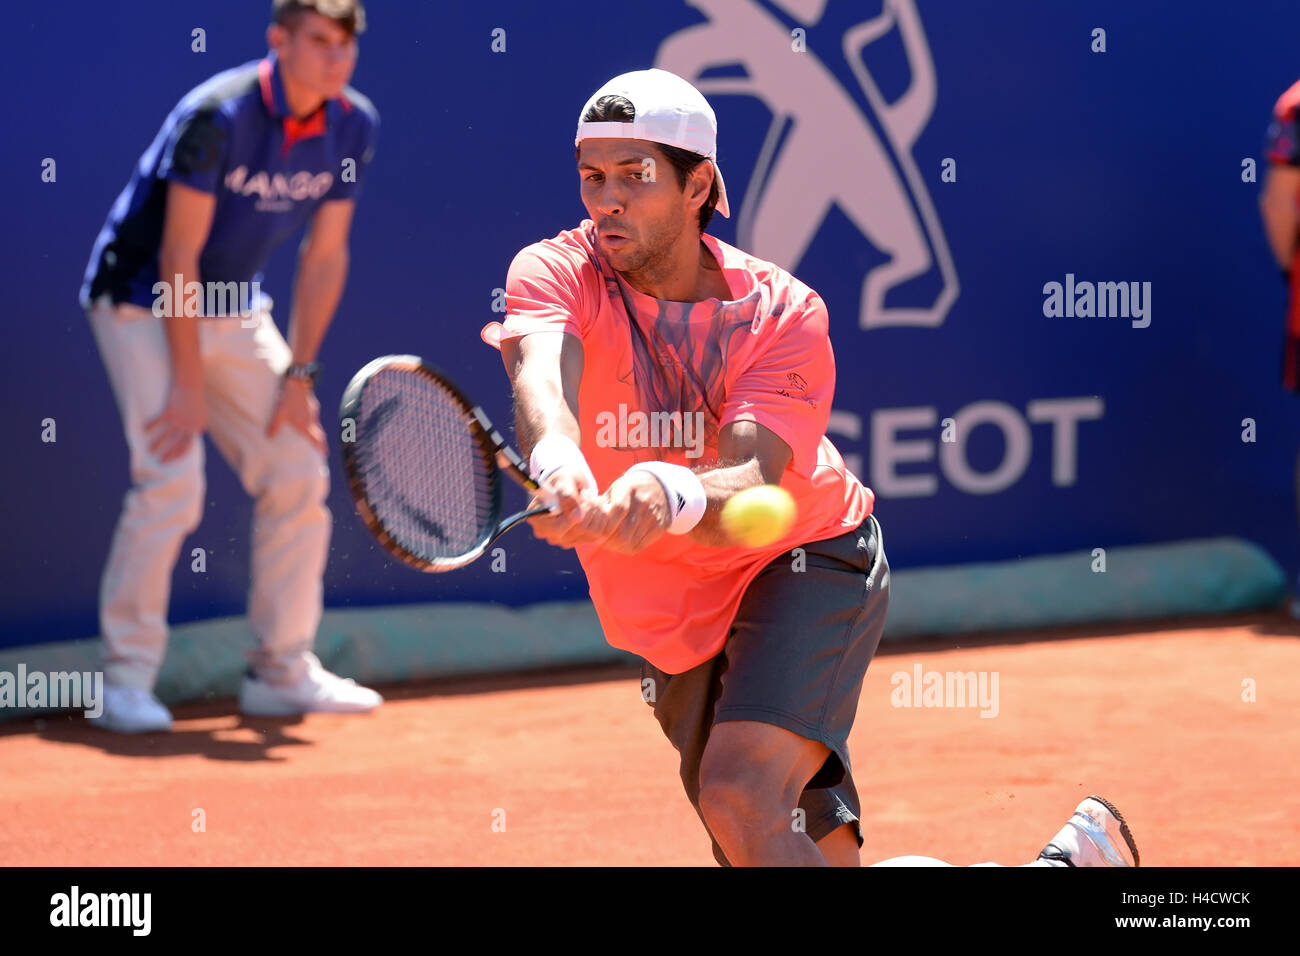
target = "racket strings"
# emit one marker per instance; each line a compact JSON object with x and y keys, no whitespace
{"x":424,"y":472}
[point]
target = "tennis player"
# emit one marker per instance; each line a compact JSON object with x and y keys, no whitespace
{"x":1279,"y":205}
{"x":754,"y":657}
{"x":245,"y":160}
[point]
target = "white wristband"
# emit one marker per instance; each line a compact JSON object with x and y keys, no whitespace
{"x":556,"y":451}
{"x":687,"y":499}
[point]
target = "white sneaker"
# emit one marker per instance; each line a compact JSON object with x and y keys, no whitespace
{"x":132,"y":710}
{"x":318,"y":692}
{"x":1097,"y":835}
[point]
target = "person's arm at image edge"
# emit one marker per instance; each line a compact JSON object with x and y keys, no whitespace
{"x":1277,"y":206}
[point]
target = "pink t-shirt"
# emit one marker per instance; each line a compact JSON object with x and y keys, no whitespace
{"x":765,"y":356}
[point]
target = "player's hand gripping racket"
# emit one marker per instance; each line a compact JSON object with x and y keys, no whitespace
{"x":425,"y":463}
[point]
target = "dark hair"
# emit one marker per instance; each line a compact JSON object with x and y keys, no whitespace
{"x":349,"y":14}
{"x":619,"y":109}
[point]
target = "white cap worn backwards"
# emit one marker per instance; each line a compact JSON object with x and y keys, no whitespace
{"x":668,"y":110}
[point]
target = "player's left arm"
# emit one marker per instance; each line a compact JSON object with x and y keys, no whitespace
{"x":318,"y":286}
{"x":749,"y":454}
{"x":633,"y":512}
{"x":773,"y":419}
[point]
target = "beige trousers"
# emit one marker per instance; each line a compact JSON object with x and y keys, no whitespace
{"x":243,"y":360}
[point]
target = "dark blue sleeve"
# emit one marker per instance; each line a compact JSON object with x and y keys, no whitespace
{"x":351,"y":176}
{"x":195,"y":154}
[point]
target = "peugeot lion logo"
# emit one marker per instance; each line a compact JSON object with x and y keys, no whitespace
{"x":869,"y":175}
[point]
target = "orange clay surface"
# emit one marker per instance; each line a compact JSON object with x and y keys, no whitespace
{"x":571,"y":768}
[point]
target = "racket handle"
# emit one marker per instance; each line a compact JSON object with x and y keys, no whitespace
{"x":521,"y":516}
{"x":510,"y":464}
{"x":548,"y":499}
{"x":514,"y":466}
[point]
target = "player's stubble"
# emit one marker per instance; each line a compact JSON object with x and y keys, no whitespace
{"x":648,"y":262}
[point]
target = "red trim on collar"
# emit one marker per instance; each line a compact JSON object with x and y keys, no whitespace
{"x":296,"y":130}
{"x":264,"y":80}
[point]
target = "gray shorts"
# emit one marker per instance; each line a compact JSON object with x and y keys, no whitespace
{"x":796,"y":656}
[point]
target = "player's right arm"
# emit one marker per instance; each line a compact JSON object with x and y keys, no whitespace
{"x":548,"y":310}
{"x":545,"y":370}
{"x":186,"y":225}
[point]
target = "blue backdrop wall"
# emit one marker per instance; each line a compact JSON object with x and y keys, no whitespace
{"x":837,"y":122}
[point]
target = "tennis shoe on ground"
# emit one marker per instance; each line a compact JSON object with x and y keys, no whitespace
{"x":1097,"y":835}
{"x":132,"y":710}
{"x":318,"y":692}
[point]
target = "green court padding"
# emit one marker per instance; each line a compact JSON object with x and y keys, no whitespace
{"x":385,"y":645}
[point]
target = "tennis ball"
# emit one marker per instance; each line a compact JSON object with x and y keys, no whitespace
{"x":756,"y":517}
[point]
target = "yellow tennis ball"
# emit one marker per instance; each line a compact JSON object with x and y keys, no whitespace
{"x":756,"y":517}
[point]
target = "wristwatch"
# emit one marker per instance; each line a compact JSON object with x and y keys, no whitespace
{"x":308,"y":370}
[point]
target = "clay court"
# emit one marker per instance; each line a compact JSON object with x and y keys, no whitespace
{"x":567,"y":769}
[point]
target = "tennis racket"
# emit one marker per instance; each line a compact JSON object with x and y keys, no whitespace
{"x":424,"y":464}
